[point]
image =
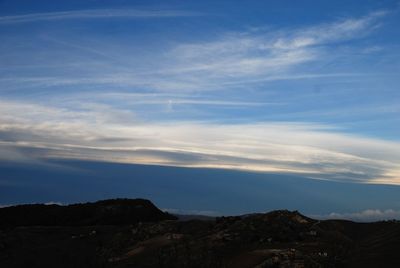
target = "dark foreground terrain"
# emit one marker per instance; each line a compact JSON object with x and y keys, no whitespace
{"x":134,"y":233}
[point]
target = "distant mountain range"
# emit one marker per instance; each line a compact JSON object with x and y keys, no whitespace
{"x":135,"y":233}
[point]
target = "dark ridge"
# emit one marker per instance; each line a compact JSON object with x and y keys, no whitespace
{"x":123,"y":233}
{"x":105,"y":212}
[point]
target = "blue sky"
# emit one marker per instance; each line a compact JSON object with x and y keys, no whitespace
{"x":307,"y":89}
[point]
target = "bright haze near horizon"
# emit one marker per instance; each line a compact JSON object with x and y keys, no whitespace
{"x":204,"y":107}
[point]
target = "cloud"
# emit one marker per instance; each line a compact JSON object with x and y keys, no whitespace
{"x":264,"y":55}
{"x":314,"y":150}
{"x":53,"y":203}
{"x":368,"y":215}
{"x":175,"y":99}
{"x":342,"y":30}
{"x":94,"y":14}
{"x":110,"y":102}
{"x":228,"y":61}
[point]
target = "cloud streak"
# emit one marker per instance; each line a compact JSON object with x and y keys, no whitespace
{"x":313,"y":150}
{"x":94,"y":14}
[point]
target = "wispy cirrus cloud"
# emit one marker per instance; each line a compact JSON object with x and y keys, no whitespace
{"x":94,"y":14}
{"x":227,"y":61}
{"x":267,"y":55}
{"x":342,"y":30}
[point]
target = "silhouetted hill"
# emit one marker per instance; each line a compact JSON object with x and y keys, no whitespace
{"x":107,"y":212}
{"x":137,"y":234}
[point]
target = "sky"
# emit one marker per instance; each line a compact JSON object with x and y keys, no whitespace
{"x":304,"y":89}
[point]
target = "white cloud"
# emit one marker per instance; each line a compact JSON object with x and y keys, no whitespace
{"x":53,"y":203}
{"x":313,"y":150}
{"x":229,"y":60}
{"x":368,"y":215}
{"x":235,"y":57}
{"x":339,"y":31}
{"x":263,"y":56}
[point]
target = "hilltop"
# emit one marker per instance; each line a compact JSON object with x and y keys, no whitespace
{"x":106,"y":212}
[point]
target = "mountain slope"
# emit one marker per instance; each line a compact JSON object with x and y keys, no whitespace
{"x":133,"y":233}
